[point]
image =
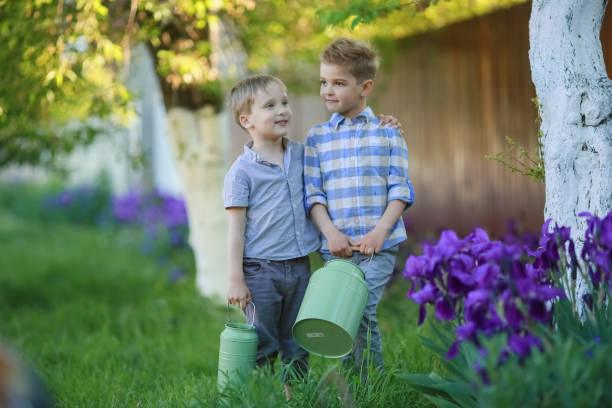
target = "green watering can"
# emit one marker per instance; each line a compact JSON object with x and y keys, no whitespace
{"x":332,"y":309}
{"x":237,"y":348}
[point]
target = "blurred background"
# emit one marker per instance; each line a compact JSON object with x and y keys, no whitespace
{"x":114,"y":140}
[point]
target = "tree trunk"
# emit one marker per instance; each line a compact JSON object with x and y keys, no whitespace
{"x":575,"y":94}
{"x":202,"y":152}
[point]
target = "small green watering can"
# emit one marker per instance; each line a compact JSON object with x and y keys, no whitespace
{"x":331,"y":311}
{"x":237,"y":348}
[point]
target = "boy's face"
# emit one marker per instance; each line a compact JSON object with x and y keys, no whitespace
{"x":270,"y":114}
{"x":341,"y":92}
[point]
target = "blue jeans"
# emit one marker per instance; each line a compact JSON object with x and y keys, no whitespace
{"x":377,"y":271}
{"x":277,"y":289}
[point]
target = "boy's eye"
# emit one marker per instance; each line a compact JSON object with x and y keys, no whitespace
{"x":285,"y":103}
{"x":340,"y":84}
{"x":323,"y":82}
{"x":269,"y":105}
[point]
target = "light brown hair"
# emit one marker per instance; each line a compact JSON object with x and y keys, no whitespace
{"x":243,"y":93}
{"x":357,"y":56}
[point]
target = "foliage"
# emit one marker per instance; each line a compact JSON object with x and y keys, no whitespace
{"x":517,"y":159}
{"x":572,"y":369}
{"x":55,"y":61}
{"x":512,"y":320}
{"x":403,"y":18}
{"x":284,"y":38}
{"x":66,"y":60}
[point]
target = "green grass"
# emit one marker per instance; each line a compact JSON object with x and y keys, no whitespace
{"x":104,"y":327}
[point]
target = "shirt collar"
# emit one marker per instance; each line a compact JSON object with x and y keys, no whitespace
{"x":365,"y":116}
{"x":248,"y":150}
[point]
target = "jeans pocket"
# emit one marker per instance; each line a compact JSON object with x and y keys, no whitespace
{"x":250,"y":267}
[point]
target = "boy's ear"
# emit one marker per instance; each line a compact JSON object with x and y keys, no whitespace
{"x":244,"y":121}
{"x":367,"y":87}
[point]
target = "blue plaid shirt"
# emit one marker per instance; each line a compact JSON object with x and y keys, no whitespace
{"x":355,"y":168}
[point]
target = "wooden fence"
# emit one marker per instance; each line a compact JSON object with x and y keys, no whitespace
{"x":459,"y":93}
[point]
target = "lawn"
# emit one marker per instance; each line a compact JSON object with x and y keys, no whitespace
{"x":103,"y":325}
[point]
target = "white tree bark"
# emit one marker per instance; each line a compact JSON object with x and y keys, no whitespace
{"x":202,"y":151}
{"x":576,"y":97}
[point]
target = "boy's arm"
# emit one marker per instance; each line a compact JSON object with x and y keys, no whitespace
{"x":339,"y":243}
{"x":400,"y":194}
{"x":399,"y":186}
{"x":313,"y":180}
{"x":373,"y":241}
{"x":238,"y":291}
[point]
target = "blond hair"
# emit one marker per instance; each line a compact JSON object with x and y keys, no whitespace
{"x":243,"y":93}
{"x":357,"y":56}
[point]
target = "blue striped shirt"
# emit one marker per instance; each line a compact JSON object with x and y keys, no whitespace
{"x":355,"y":168}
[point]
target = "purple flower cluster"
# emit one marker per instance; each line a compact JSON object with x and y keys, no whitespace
{"x":597,"y":249}
{"x":164,"y":219}
{"x":128,"y":208}
{"x":489,"y":286}
{"x":155,"y":210}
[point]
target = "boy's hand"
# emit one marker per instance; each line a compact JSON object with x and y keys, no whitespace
{"x":372,"y":242}
{"x":391,"y":121}
{"x":340,"y":244}
{"x":238,"y":292}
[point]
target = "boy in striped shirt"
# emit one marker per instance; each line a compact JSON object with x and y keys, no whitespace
{"x":356,"y":180}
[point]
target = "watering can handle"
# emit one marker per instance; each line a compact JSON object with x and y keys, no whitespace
{"x":356,"y":248}
{"x":245,"y":311}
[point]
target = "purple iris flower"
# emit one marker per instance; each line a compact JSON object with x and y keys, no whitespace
{"x":448,"y":245}
{"x":466,"y":331}
{"x":427,"y":294}
{"x":174,"y":212}
{"x":444,"y":309}
{"x":493,"y":253}
{"x":128,"y":208}
{"x":486,"y":275}
{"x":605,"y":231}
{"x":513,"y":315}
{"x":522,"y":345}
{"x":422,"y":314}
{"x":482,"y":372}
{"x":538,"y":311}
{"x":415,"y":266}
{"x":501,"y":286}
{"x":452,"y":351}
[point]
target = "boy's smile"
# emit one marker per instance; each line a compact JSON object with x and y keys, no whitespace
{"x":341,"y":92}
{"x":270,"y":114}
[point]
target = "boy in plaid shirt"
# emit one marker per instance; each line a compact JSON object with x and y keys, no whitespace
{"x":356,"y":180}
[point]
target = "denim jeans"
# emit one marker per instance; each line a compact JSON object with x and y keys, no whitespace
{"x":277,"y":289}
{"x":377,"y":271}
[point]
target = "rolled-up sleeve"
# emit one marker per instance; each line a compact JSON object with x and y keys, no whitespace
{"x":398,"y":182}
{"x":313,"y":182}
{"x":235,"y":190}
